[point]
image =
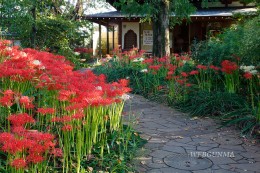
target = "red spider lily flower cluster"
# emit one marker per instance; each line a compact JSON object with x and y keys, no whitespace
{"x":45,"y":111}
{"x":194,"y":72}
{"x":214,"y":68}
{"x":20,"y":119}
{"x":32,"y":146}
{"x":148,"y":61}
{"x":7,"y":99}
{"x":26,"y":102}
{"x":53,"y":72}
{"x":228,"y":67}
{"x":248,"y":75}
{"x":155,"y":67}
{"x":83,"y":50}
{"x":202,"y":67}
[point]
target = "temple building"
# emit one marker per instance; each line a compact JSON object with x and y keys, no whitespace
{"x":128,"y":32}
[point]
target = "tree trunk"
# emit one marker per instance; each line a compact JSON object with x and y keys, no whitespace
{"x":34,"y":30}
{"x":161,"y":34}
{"x":78,"y":11}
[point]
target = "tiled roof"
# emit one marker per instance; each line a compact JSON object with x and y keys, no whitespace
{"x":223,"y":12}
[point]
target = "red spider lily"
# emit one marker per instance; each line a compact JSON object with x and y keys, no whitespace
{"x":169,"y":77}
{"x":20,"y":119}
{"x":184,"y":74}
{"x":181,"y":81}
{"x":57,"y":152}
{"x":20,"y":130}
{"x":163,"y":59}
{"x":148,"y":61}
{"x":5,"y":42}
{"x":171,"y":67}
{"x":65,"y":95}
{"x":35,"y":158}
{"x":160,"y":87}
{"x":188,"y":85}
{"x":214,"y":68}
{"x":33,"y":144}
{"x":83,"y":50}
{"x":66,"y":128}
{"x":203,"y":67}
{"x":228,"y":66}
{"x":7,"y":99}
{"x":248,"y":75}
{"x":13,"y":146}
{"x":26,"y":102}
{"x":124,"y":82}
{"x":155,"y":67}
{"x":45,"y":111}
{"x":180,"y":64}
{"x":6,"y":136}
{"x":176,"y":55}
{"x":19,"y":163}
{"x":185,"y":58}
{"x":78,"y":116}
{"x":170,"y":72}
{"x":194,"y":72}
{"x":177,"y":58}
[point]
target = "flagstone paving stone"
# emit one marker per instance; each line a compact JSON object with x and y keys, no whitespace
{"x":177,"y":142}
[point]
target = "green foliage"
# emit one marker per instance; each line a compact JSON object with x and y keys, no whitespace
{"x":241,"y":40}
{"x":3,"y":157}
{"x":203,"y":103}
{"x":115,"y":71}
{"x":150,"y":9}
{"x":54,"y":28}
{"x":70,"y":55}
{"x":120,"y":150}
{"x":243,"y":118}
{"x":250,"y":42}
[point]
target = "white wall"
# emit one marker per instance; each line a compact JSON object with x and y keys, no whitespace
{"x":127,"y":26}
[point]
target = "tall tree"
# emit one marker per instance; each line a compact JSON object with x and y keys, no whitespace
{"x":31,"y":20}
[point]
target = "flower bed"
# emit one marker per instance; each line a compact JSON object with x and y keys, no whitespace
{"x":229,"y":90}
{"x":51,"y":116}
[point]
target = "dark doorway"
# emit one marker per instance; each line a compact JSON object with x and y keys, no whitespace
{"x":130,"y":40}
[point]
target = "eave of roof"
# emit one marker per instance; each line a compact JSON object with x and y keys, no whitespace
{"x":221,"y":12}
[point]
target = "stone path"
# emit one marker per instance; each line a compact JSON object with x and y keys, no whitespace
{"x":178,"y":143}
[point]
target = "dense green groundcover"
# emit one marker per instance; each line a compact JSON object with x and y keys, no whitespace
{"x":220,"y":78}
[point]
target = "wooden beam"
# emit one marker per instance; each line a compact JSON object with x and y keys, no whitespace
{"x":140,"y":29}
{"x":120,"y":34}
{"x":99,"y":44}
{"x":189,"y":38}
{"x":113,"y":40}
{"x":107,"y":37}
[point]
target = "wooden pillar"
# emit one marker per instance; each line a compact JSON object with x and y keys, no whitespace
{"x":120,"y":35}
{"x":140,"y":30}
{"x":107,"y":37}
{"x":189,"y":39}
{"x":99,"y":44}
{"x":113,"y":40}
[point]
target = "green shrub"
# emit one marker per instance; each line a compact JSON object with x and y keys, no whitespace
{"x":241,"y":40}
